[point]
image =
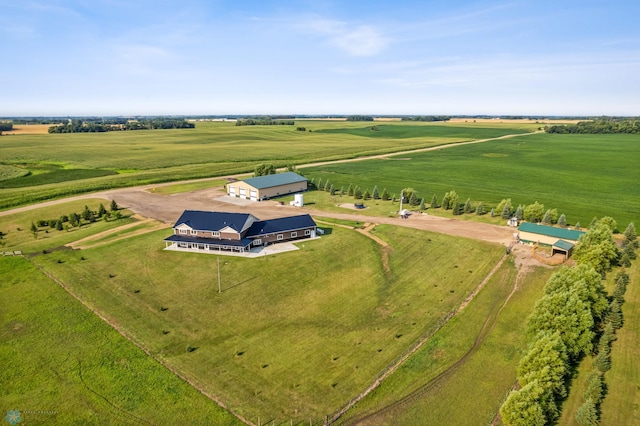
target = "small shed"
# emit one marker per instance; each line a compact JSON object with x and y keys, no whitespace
{"x":563,"y":247}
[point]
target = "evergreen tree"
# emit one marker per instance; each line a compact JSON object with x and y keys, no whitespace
{"x":603,"y":361}
{"x":350,"y":190}
{"x":467,"y":206}
{"x":101,"y":210}
{"x":87,"y":214}
{"x":595,"y":388}
{"x":59,"y":226}
{"x":385,"y":195}
{"x":422,"y":206}
{"x":413,"y":199}
{"x":630,"y":236}
{"x":562,"y":220}
{"x":586,"y":414}
{"x":453,"y":202}
{"x":327,"y":186}
{"x":506,"y":211}
{"x":319,"y":185}
{"x":342,"y":190}
{"x":114,"y":206}
{"x":366,"y":194}
{"x":434,"y":202}
{"x":546,"y":219}
{"x":374,"y":193}
{"x":357,"y":193}
{"x":446,"y":201}
{"x":619,"y":290}
{"x":520,"y":213}
{"x":34,"y":228}
{"x":393,"y":198}
{"x":493,"y":212}
{"x":332,"y":190}
{"x":480,"y":209}
{"x":501,"y":204}
{"x":615,"y":315}
{"x":577,"y":226}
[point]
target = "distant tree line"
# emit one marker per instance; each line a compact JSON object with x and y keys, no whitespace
{"x":427,"y":118}
{"x":600,"y":126}
{"x":264,"y":122}
{"x":5,"y":127}
{"x":359,"y":118}
{"x":110,"y":125}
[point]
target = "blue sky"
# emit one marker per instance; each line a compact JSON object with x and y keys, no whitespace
{"x":116,"y":57}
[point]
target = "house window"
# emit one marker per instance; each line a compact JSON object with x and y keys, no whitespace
{"x":194,"y":232}
{"x":182,"y":231}
{"x":307,"y":232}
{"x":279,"y":237}
{"x":294,"y":234}
{"x":183,"y":245}
{"x":257,"y":242}
{"x":215,"y":234}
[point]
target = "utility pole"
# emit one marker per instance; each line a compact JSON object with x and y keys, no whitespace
{"x":219,"y":287}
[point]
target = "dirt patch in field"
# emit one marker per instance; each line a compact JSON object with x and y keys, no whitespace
{"x":29,"y":129}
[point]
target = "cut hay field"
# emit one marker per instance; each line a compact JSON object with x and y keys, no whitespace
{"x":65,"y":164}
{"x":292,"y":336}
{"x":580,"y":175}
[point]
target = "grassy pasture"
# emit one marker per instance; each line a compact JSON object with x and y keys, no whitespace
{"x":211,"y":149}
{"x":63,"y":365}
{"x":17,"y":233}
{"x":580,"y":175}
{"x":292,"y":336}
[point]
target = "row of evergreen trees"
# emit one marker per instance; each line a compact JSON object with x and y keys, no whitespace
{"x":574,"y":318}
{"x":76,"y":220}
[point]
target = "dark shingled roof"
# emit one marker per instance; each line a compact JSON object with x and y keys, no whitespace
{"x":283,"y":224}
{"x":214,"y":221}
{"x":278,"y":179}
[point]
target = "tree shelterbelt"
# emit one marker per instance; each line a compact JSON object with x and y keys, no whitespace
{"x":574,"y":312}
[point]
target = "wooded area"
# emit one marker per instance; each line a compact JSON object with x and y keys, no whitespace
{"x":597,"y":126}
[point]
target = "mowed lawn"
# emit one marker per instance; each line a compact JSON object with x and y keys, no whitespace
{"x":292,"y":336}
{"x":477,"y":353}
{"x":581,"y":176}
{"x":63,"y":365}
{"x":65,"y":164}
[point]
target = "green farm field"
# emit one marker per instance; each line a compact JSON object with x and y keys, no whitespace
{"x":580,"y":175}
{"x":65,"y":164}
{"x":298,"y":335}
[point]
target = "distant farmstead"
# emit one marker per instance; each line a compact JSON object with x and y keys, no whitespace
{"x":235,"y":232}
{"x":269,"y":186}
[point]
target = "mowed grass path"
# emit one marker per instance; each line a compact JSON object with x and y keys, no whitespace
{"x":63,"y":365}
{"x":291,"y":336}
{"x":580,"y":175}
{"x":65,"y":164}
{"x":477,"y":353}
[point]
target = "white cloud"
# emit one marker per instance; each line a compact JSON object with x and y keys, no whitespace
{"x":360,"y":40}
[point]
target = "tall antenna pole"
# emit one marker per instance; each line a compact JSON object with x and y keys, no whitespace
{"x":219,"y":287}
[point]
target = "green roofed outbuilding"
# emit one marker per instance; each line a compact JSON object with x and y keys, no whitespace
{"x":269,"y":186}
{"x":561,"y":240}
